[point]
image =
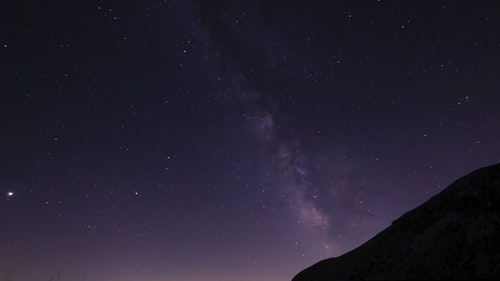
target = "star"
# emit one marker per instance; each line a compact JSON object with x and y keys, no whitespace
{"x":10,"y":194}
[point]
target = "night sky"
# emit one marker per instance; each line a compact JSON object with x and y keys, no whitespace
{"x":231,"y":140}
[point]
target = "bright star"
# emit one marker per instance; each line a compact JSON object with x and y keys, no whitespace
{"x":10,"y":194}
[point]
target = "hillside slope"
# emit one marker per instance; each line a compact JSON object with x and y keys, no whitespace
{"x":454,"y":235}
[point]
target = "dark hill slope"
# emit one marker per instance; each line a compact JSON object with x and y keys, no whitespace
{"x":454,"y":235}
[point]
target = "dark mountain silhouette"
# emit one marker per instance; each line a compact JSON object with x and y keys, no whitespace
{"x":454,"y":235}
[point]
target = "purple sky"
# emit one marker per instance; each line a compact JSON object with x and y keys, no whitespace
{"x":231,"y":140}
